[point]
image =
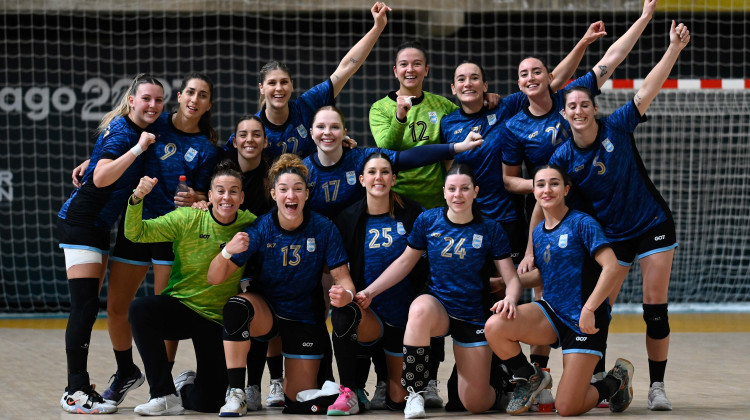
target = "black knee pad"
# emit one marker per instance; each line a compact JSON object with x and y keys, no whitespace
{"x":345,"y":321}
{"x":84,"y":307}
{"x":657,"y":320}
{"x":238,"y":312}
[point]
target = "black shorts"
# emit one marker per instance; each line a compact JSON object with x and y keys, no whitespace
{"x":518,"y":233}
{"x":303,"y":341}
{"x":573,"y":342}
{"x":466,"y":334}
{"x":660,"y":238}
{"x":79,"y":237}
{"x":134,"y":253}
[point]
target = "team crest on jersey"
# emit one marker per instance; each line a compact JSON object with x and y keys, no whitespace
{"x":351,"y":177}
{"x":433,"y":117}
{"x":476,"y":128}
{"x":190,"y":154}
{"x":608,"y":146}
{"x":400,"y":228}
{"x":491,"y":119}
{"x":476,"y":241}
{"x":302,"y":131}
{"x":458,"y":131}
{"x":562,"y":241}
{"x":310,"y":244}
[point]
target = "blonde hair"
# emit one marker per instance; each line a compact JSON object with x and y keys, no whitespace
{"x":123,"y":107}
{"x":288,"y":163}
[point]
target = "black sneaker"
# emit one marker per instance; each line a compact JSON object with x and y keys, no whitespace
{"x":623,"y":373}
{"x":526,"y":390}
{"x":122,"y":385}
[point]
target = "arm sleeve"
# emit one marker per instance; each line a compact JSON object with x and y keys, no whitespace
{"x":162,"y":229}
{"x":387,"y":130}
{"x":422,"y":155}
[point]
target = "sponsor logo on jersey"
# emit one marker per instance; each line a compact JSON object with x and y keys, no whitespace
{"x":301,"y":131}
{"x":532,"y":135}
{"x":433,"y":117}
{"x":310,"y":244}
{"x":562,"y":242}
{"x":579,"y":168}
{"x":351,"y":178}
{"x":190,"y":154}
{"x":476,"y":241}
{"x":608,"y":146}
{"x":458,"y":131}
{"x":491,"y":119}
{"x":204,"y":236}
{"x":435,"y":234}
{"x":400,"y":228}
{"x":271,"y":245}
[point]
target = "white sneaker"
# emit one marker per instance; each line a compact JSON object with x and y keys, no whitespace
{"x":168,"y":405}
{"x":86,"y":401}
{"x":430,"y":395}
{"x":236,"y":405}
{"x":275,"y":394}
{"x":657,"y":398}
{"x":184,"y":378}
{"x":414,"y":405}
{"x":252,"y":397}
{"x":378,"y":398}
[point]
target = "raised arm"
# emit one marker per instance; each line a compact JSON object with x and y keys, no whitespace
{"x":222,"y":266}
{"x":679,"y":36}
{"x":108,"y":171}
{"x":353,"y":60}
{"x":567,"y":67}
{"x":620,"y":49}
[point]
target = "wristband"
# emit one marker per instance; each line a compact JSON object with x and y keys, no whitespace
{"x":136,"y":150}
{"x":350,"y":294}
{"x":452,"y":148}
{"x":225,"y":253}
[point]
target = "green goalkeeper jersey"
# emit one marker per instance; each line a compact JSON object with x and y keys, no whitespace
{"x":197,"y":238}
{"x":422,"y":126}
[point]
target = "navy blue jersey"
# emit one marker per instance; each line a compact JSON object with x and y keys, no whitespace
{"x":292,"y":263}
{"x":173,"y":154}
{"x":385,"y":241}
{"x":611,"y":176}
{"x":532,"y":138}
{"x":293,"y":136}
{"x":494,"y":201}
{"x":336,"y":187}
{"x":459,"y":256}
{"x":565,"y":258}
{"x":91,"y":206}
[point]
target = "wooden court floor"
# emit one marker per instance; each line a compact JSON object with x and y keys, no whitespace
{"x":707,"y":375}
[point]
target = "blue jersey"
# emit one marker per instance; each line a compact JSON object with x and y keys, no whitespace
{"x":532,"y":138}
{"x":292,"y":263}
{"x":611,"y":176}
{"x":385,"y":241}
{"x":460,"y":259}
{"x":565,"y":258}
{"x":336,"y":187}
{"x":494,"y":201}
{"x":173,"y":154}
{"x":91,"y":206}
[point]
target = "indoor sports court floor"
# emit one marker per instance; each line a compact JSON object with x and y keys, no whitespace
{"x":707,"y":375}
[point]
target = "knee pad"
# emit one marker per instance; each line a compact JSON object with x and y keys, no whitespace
{"x":345,"y":321}
{"x":238,"y":312}
{"x":84,"y":307}
{"x":657,"y":320}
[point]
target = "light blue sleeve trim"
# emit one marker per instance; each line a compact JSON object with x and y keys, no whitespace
{"x":656,"y":251}
{"x":131,"y":262}
{"x":84,"y":247}
{"x":303,"y":356}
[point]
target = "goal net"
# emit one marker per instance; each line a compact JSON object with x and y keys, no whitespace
{"x":63,"y":63}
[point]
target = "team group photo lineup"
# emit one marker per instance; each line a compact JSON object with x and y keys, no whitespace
{"x":300,"y":261}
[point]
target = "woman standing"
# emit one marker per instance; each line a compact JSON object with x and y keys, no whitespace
{"x":603,"y":160}
{"x":85,"y":221}
{"x":189,"y":307}
{"x":462,"y":249}
{"x":185,"y":145}
{"x":578,"y":270}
